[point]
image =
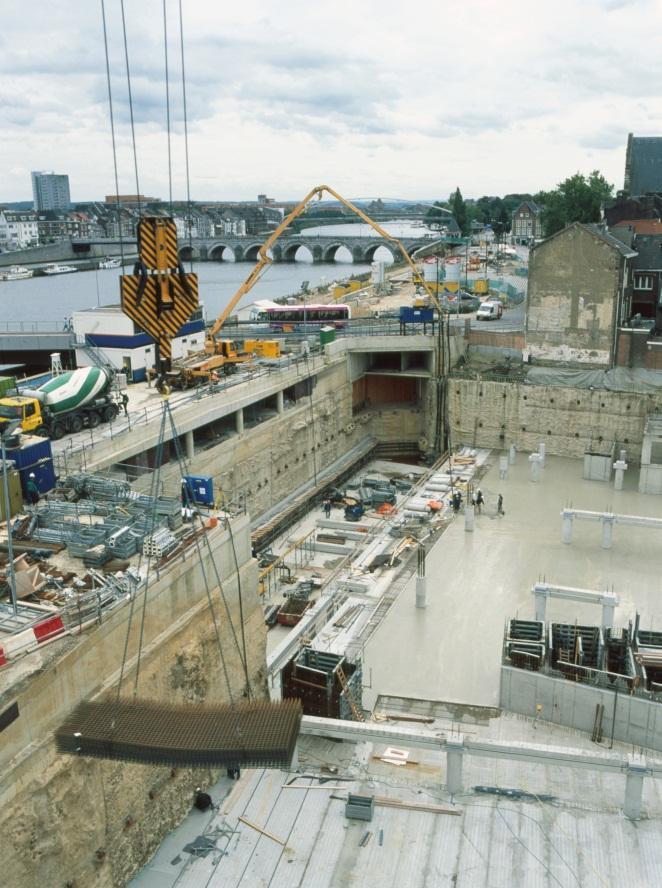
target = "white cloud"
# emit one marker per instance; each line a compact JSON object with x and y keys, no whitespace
{"x":374,"y":98}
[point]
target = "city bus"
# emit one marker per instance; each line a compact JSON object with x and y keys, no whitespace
{"x":289,"y":317}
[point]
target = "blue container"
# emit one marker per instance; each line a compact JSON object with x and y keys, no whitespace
{"x":44,"y":476}
{"x":30,"y":452}
{"x":416,"y":315}
{"x":201,"y":489}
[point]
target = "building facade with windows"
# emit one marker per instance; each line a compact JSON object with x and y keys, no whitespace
{"x":50,"y":191}
{"x":18,"y":230}
{"x":526,"y":224}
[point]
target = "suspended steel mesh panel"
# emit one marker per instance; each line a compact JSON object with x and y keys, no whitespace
{"x":250,"y":735}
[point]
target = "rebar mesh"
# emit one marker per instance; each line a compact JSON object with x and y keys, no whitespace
{"x":254,"y":734}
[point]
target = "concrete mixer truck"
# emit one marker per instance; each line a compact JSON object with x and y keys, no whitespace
{"x":66,"y":403}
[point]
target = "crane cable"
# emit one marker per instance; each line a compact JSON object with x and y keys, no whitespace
{"x":133,"y":127}
{"x":167,"y":90}
{"x":181,"y":459}
{"x":186,"y":153}
{"x":112,"y":132}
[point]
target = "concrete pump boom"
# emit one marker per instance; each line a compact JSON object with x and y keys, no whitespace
{"x":264,"y":260}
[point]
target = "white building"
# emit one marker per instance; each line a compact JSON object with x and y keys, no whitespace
{"x":18,"y":230}
{"x":124,"y":345}
{"x":50,"y":191}
{"x":233,"y":226}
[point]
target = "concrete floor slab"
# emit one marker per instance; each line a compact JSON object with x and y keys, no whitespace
{"x":476,"y":581}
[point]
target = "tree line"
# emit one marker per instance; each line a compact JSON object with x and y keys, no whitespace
{"x":577,"y":199}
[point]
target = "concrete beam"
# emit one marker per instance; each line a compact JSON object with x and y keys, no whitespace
{"x":608,"y":600}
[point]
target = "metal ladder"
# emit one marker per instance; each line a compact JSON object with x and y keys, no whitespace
{"x":344,"y":684}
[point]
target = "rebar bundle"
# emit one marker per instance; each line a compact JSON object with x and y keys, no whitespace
{"x":257,"y":734}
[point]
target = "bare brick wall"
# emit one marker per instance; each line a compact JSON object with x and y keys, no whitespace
{"x":496,"y":338}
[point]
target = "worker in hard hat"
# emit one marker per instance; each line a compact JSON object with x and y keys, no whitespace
{"x":32,"y":490}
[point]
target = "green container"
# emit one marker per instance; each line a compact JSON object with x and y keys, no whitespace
{"x":15,"y":492}
{"x":7,"y":384}
{"x":327,"y":334}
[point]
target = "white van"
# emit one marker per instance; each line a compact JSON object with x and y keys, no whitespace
{"x":489,"y":311}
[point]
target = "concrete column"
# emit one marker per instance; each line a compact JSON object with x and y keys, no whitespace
{"x":634,"y":785}
{"x":239,"y":421}
{"x":503,"y":467}
{"x":541,"y":453}
{"x":534,"y":460}
{"x":421,"y":592}
{"x":280,"y":403}
{"x":567,"y":529}
{"x":608,"y":608}
{"x":421,"y":584}
{"x":540,"y":596}
{"x":623,"y":455}
{"x":190,"y":445}
{"x":619,"y":466}
{"x":454,"y":753}
{"x":607,"y":530}
{"x":511,"y":454}
{"x":469,"y":518}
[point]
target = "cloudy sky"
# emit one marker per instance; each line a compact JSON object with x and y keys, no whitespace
{"x":375,"y":98}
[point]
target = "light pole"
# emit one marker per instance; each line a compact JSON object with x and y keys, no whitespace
{"x":5,"y":433}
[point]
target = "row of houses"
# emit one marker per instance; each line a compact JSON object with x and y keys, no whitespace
{"x":20,"y":229}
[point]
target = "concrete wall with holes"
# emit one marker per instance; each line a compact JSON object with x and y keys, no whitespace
{"x":569,"y":420}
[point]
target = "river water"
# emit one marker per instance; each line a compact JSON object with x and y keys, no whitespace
{"x":47,"y":301}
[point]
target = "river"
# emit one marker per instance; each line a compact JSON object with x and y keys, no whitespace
{"x":49,"y":300}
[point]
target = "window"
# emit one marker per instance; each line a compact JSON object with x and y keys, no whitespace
{"x":643,"y":282}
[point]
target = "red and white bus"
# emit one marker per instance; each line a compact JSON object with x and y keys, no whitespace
{"x":289,"y":317}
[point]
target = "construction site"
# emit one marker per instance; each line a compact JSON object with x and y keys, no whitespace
{"x":337,"y":593}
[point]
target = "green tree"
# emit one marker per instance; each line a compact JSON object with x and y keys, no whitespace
{"x":437,"y":215}
{"x":458,"y":208}
{"x":576,"y":199}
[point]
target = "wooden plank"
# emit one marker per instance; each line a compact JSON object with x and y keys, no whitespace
{"x":385,"y":802}
{"x":263,"y":831}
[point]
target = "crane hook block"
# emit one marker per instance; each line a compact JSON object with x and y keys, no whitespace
{"x":159,"y":296}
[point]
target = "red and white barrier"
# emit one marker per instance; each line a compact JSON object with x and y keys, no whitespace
{"x":42,"y":632}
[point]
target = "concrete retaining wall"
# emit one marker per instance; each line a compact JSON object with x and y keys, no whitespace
{"x":77,"y":821}
{"x":569,"y":420}
{"x":637,"y":721}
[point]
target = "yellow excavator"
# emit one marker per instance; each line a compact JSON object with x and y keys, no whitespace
{"x":216,"y":346}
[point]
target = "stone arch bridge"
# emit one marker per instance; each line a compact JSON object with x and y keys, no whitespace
{"x":323,"y":248}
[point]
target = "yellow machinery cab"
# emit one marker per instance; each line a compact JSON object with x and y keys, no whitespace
{"x":28,"y":410}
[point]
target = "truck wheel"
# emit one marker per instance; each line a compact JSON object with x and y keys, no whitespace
{"x":76,"y":423}
{"x":41,"y":431}
{"x":110,"y":412}
{"x":93,"y":419}
{"x":58,"y":431}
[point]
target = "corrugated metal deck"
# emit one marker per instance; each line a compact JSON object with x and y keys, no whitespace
{"x":580,"y":839}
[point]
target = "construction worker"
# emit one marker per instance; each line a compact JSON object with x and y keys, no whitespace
{"x":479,"y":500}
{"x":125,"y":403}
{"x":32,"y":490}
{"x":500,"y":505}
{"x":327,"y":507}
